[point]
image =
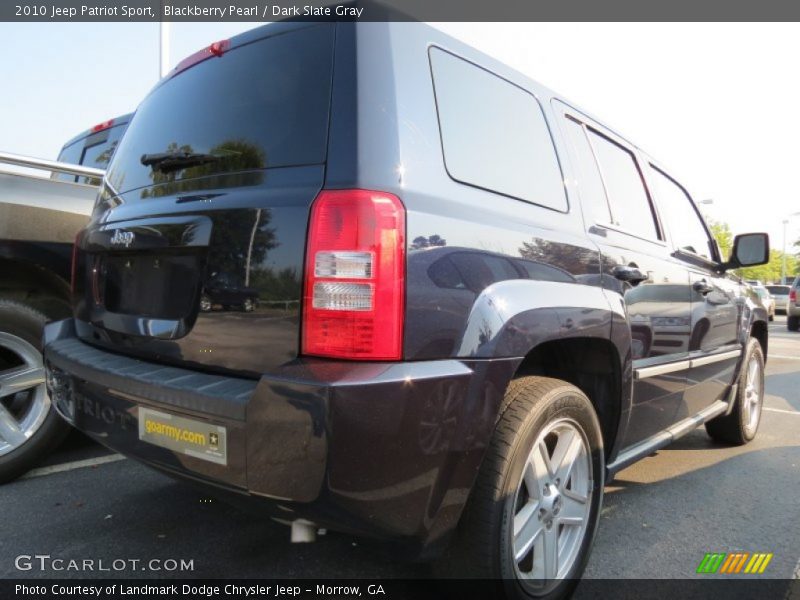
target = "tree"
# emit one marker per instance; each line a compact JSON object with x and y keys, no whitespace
{"x":433,"y":241}
{"x":770,"y":271}
{"x":722,"y":233}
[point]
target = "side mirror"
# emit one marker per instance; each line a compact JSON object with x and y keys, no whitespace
{"x":749,"y":250}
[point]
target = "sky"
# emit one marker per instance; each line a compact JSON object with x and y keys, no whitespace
{"x":714,"y":103}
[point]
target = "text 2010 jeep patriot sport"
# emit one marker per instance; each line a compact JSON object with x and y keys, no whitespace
{"x":475,"y":302}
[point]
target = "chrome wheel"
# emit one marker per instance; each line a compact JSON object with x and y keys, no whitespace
{"x":205,"y":303}
{"x":249,"y":305}
{"x":753,"y":395}
{"x":24,"y":403}
{"x":552,"y":504}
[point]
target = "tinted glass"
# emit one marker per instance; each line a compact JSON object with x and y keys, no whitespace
{"x":72,"y":153}
{"x":99,"y":148}
{"x":590,"y":186}
{"x":261,"y":105}
{"x":780,"y":290}
{"x":94,"y":150}
{"x":685,"y":227}
{"x":69,"y":154}
{"x":494,"y":135}
{"x":630,"y":206}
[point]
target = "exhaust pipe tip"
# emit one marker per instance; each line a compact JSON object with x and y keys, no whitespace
{"x":303,"y":532}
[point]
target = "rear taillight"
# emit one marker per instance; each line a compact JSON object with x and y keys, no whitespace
{"x":353,"y":302}
{"x":793,"y":296}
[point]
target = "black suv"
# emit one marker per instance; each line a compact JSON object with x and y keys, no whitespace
{"x":475,"y":302}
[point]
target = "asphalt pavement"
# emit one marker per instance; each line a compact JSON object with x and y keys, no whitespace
{"x":660,"y":516}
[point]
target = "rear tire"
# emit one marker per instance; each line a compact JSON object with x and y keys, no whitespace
{"x":793,"y":323}
{"x":741,"y":425}
{"x":30,"y":428}
{"x":526,"y":514}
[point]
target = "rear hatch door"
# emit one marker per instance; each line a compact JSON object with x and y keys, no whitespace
{"x":195,"y":252}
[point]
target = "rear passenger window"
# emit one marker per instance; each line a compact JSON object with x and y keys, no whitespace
{"x":630,"y":205}
{"x":494,"y":134}
{"x":682,"y":220}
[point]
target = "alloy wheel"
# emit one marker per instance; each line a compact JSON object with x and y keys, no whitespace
{"x":24,"y":403}
{"x":552,"y":505}
{"x":753,"y":395}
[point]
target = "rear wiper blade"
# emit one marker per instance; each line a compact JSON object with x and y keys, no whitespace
{"x":172,"y":161}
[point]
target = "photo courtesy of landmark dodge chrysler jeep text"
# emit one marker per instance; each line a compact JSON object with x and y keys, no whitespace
{"x":475,"y":302}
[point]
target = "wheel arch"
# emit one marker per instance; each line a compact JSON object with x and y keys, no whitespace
{"x":760,"y":331}
{"x":523,"y":327}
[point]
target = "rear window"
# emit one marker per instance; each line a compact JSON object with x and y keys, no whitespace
{"x":494,"y":134}
{"x":71,"y":154}
{"x":261,"y":105}
{"x":94,"y":150}
{"x":778,"y":289}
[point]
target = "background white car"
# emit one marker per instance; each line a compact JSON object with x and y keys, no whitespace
{"x":780,"y":293}
{"x":766,"y":299}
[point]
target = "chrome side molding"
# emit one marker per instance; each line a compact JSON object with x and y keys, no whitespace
{"x":682,"y":365}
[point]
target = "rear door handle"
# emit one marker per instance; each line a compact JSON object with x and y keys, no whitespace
{"x":631,"y":275}
{"x":702,"y":287}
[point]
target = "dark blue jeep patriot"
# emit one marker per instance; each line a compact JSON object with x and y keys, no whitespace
{"x":472,"y":303}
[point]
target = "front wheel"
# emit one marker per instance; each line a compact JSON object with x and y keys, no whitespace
{"x":532,"y":514}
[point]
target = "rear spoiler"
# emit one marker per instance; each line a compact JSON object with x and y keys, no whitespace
{"x":49,"y":165}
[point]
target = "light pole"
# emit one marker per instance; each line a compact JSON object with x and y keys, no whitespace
{"x":163,"y":43}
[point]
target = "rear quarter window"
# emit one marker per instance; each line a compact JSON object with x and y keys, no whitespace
{"x":494,"y":134}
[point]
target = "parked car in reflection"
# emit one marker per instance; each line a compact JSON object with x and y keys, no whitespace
{"x":780,"y":293}
{"x":673,"y":328}
{"x":466,"y":272}
{"x":767,"y":300}
{"x":223,"y":291}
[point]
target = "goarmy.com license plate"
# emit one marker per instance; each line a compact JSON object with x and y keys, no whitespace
{"x":187,"y":436}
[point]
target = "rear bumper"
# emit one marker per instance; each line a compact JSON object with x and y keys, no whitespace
{"x":386,"y":449}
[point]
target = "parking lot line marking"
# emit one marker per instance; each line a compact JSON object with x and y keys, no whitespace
{"x":785,"y":357}
{"x":780,"y":410}
{"x":69,"y":466}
